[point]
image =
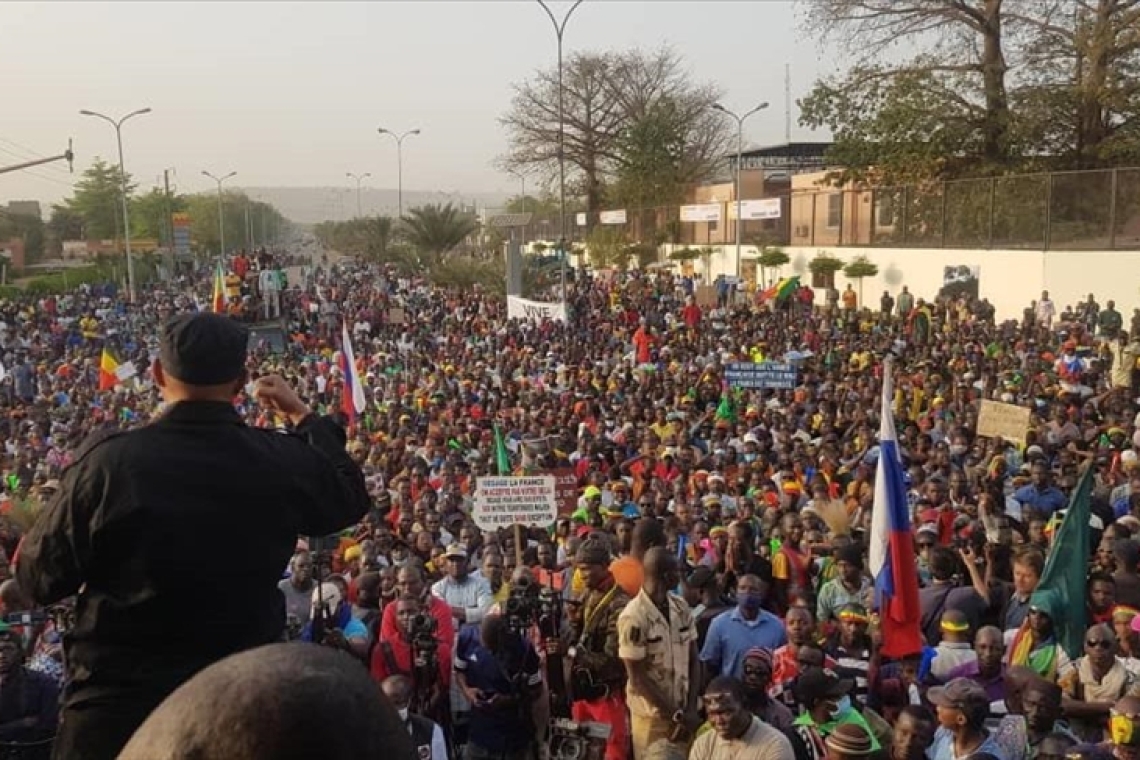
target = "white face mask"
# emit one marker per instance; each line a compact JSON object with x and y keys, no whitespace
{"x":841,"y":708}
{"x":403,"y":713}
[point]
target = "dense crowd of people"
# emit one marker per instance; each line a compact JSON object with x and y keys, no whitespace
{"x":707,"y":592}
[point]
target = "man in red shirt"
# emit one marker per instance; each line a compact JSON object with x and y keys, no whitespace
{"x":410,"y":582}
{"x":396,"y":655}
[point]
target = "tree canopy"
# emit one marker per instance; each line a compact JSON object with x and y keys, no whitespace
{"x":638,"y":129}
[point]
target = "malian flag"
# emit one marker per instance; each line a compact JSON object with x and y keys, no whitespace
{"x":218,"y":302}
{"x":108,"y":366}
{"x":352,"y":400}
{"x":892,"y":553}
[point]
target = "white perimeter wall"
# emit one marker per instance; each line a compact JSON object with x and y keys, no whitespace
{"x":1010,"y":279}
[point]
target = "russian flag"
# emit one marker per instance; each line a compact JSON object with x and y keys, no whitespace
{"x":352,"y":400}
{"x":893,"y":560}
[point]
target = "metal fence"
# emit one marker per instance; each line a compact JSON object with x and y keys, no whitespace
{"x":661,"y":224}
{"x":1078,"y":210}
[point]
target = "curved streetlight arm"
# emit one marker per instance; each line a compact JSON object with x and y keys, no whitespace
{"x":559,"y":28}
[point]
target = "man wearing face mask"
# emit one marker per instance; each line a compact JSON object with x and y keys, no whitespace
{"x":427,"y":736}
{"x":745,"y":627}
{"x":126,"y":531}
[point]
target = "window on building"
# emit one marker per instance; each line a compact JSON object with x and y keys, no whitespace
{"x":834,"y":210}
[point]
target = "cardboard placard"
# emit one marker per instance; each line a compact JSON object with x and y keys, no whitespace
{"x":1008,"y":421}
{"x":504,"y":501}
{"x":565,"y":489}
{"x":397,"y":316}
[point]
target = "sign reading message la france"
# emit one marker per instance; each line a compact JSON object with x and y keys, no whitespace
{"x":998,"y":420}
{"x":521,"y":308}
{"x":766,"y":375}
{"x":501,"y":502}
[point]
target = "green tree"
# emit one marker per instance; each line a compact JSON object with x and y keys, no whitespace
{"x":29,"y":229}
{"x":434,"y":230}
{"x":97,"y":199}
{"x":859,"y":268}
{"x":963,"y":63}
{"x":823,"y":268}
{"x":684,"y":254}
{"x":605,"y":247}
{"x":772,"y":257}
{"x":149,"y":214}
{"x":638,"y":112}
{"x":66,"y":224}
{"x":267,"y":223}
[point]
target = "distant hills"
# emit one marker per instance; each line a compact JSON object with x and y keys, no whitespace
{"x":309,"y":205}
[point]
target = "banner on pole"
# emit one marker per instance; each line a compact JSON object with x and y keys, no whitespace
{"x":764,"y":208}
{"x":701,"y":212}
{"x":612,"y":217}
{"x":521,"y":308}
{"x":504,"y":501}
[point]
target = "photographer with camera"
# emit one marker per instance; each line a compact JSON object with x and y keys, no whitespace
{"x":499,"y":672}
{"x":416,"y":653}
{"x":597,"y":675}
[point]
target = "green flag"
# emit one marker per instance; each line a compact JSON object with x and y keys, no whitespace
{"x":502,"y":458}
{"x":1066,"y":568}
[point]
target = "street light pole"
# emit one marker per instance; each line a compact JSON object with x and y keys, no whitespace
{"x":399,"y":161}
{"x":221,"y":212}
{"x":559,"y":31}
{"x":359,"y":178}
{"x":118,"y":125}
{"x":736,"y":180}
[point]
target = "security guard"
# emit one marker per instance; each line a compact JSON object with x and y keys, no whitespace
{"x":658,"y":644}
{"x":174,"y":535}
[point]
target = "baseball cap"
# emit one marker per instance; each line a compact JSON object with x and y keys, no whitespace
{"x":203,"y":348}
{"x":958,"y":693}
{"x":455,"y":550}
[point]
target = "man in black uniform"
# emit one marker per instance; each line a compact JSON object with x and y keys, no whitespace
{"x":175,"y":535}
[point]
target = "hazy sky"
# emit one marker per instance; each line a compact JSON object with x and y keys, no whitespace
{"x":292,"y":93}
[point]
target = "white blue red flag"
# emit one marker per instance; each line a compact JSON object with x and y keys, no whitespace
{"x":352,"y":401}
{"x":893,"y":559}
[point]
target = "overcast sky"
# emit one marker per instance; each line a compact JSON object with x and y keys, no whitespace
{"x":291,"y":94}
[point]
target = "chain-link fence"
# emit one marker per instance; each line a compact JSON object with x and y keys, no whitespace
{"x":1079,"y":210}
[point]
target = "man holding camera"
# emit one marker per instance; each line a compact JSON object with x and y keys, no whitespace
{"x":499,"y":672}
{"x":415,"y":653}
{"x":597,"y":676}
{"x":136,"y":510}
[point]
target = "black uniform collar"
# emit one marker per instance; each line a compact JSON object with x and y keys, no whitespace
{"x":201,"y":411}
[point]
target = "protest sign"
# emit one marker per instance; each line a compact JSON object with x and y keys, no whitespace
{"x":565,"y":489}
{"x":521,"y":308}
{"x":504,"y":501}
{"x":766,"y":375}
{"x":998,"y":420}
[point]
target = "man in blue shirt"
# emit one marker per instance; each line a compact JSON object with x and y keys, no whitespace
{"x":1040,"y":494}
{"x":499,"y":672}
{"x":732,"y":633}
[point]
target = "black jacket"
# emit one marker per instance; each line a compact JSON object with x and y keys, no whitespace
{"x":175,"y":535}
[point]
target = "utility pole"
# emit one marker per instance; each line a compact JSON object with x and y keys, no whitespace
{"x":169,"y":226}
{"x":67,"y":156}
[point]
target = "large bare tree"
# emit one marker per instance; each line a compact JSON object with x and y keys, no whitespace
{"x":607,"y":95}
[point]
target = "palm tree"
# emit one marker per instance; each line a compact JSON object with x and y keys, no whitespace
{"x":435,"y":230}
{"x":376,"y":237}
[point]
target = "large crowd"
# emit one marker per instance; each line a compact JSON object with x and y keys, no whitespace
{"x":707,"y":594}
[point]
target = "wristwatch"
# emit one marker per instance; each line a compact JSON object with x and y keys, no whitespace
{"x":679,"y":717}
{"x":572,"y":652}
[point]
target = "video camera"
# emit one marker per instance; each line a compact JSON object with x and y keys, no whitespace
{"x":422,"y":636}
{"x":570,"y":740}
{"x":526,"y":607}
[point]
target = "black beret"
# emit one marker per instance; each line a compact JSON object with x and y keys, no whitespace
{"x":203,"y":348}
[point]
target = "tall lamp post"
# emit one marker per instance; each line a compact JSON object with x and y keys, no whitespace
{"x":221,"y":212}
{"x":399,"y":161}
{"x":739,"y":150}
{"x":118,"y":125}
{"x":359,"y":178}
{"x":559,"y":32}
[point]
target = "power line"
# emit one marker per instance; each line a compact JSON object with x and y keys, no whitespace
{"x":27,"y":153}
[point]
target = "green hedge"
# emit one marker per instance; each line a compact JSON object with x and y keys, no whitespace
{"x":61,"y":282}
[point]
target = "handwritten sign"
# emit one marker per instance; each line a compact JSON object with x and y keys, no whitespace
{"x":766,"y":375}
{"x":565,"y":489}
{"x":501,"y":502}
{"x":998,"y":420}
{"x":535,"y":311}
